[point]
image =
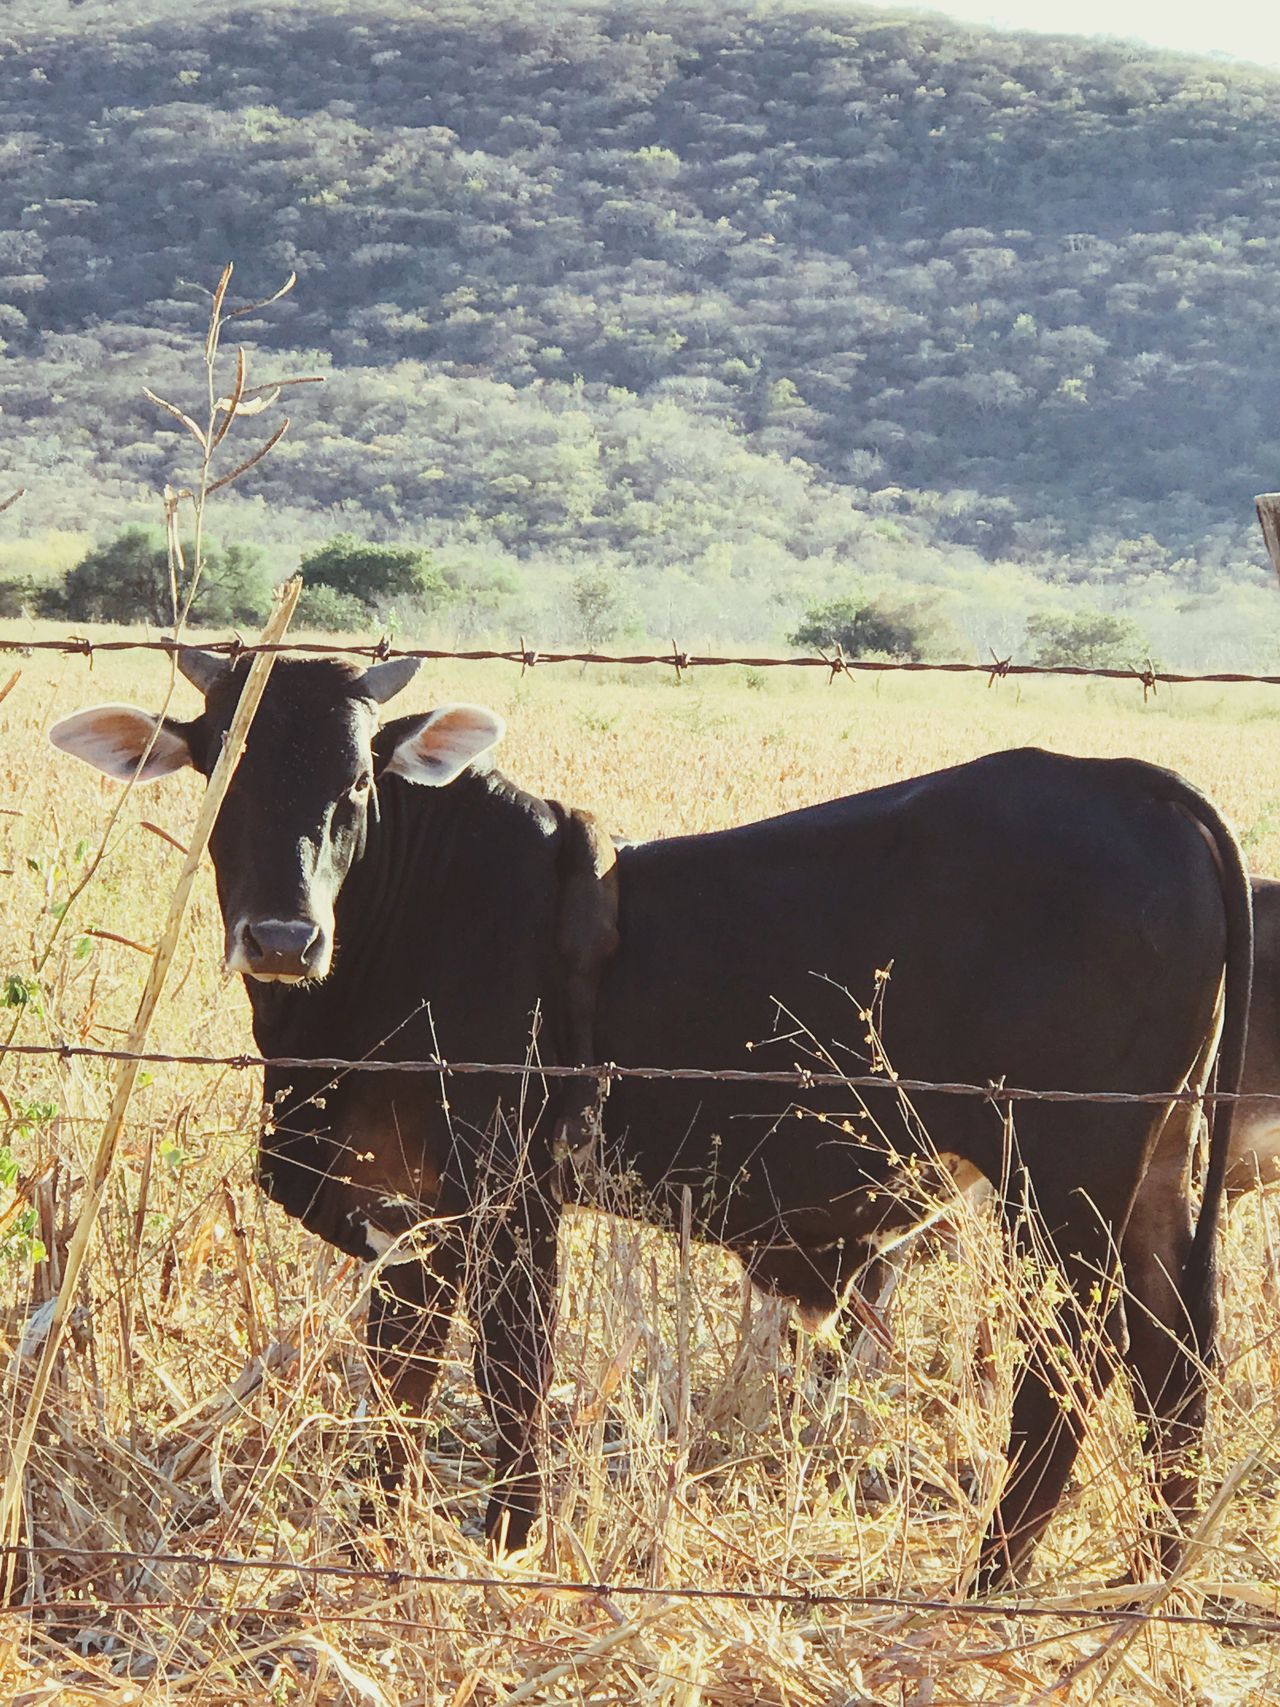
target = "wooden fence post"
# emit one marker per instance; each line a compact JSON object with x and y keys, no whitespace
{"x":1268,"y":508}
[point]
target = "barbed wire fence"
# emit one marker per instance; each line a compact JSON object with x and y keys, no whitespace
{"x":1146,"y":676}
{"x":803,"y":1599}
{"x":1126,"y":1614}
{"x":606,"y":1072}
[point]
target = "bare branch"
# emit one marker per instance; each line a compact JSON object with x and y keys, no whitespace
{"x":233,"y":403}
{"x":257,"y":456}
{"x":215,"y":313}
{"x":253,"y":307}
{"x":178,"y":415}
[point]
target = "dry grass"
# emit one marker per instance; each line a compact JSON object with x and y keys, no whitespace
{"x":214,"y":1396}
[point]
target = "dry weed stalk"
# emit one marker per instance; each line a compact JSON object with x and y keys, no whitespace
{"x":222,"y":410}
{"x":184,"y":587}
{"x":127,"y":1075}
{"x":186,"y":568}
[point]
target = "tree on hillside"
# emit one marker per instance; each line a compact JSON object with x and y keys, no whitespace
{"x":127,"y":580}
{"x":597,"y":606}
{"x":1099,"y":640}
{"x":376,"y":575}
{"x":860,"y":624}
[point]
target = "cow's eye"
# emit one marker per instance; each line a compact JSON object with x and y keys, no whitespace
{"x":363,"y":783}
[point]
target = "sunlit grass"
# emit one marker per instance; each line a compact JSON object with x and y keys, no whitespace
{"x":214,"y":1397}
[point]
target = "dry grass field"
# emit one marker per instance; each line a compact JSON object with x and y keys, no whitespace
{"x":213,"y":1397}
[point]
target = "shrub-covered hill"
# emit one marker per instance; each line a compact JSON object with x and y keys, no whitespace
{"x":748,"y":290}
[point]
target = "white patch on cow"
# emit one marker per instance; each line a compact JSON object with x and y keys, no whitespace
{"x":962,"y":1171}
{"x":382,"y":1244}
{"x":444,"y":743}
{"x":967,"y":1181}
{"x":884,"y":1244}
{"x":414,"y":1244}
{"x":820,"y":1320}
{"x":113,"y":738}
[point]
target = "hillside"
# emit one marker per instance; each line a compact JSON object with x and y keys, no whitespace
{"x":731,"y":299}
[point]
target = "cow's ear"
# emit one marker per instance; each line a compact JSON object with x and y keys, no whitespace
{"x":114,"y":738}
{"x":438,"y":747}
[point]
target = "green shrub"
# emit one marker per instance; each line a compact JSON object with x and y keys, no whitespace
{"x":376,"y":574}
{"x":20,"y":594}
{"x":598,"y":607}
{"x":127,"y":580}
{"x":1098,"y":640}
{"x":325,"y":608}
{"x":860,"y":625}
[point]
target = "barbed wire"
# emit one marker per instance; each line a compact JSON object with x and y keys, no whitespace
{"x":1146,"y":675}
{"x":605,"y":1072}
{"x":816,"y":1598}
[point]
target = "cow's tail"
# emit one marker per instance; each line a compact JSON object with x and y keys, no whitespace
{"x":1199,"y":1277}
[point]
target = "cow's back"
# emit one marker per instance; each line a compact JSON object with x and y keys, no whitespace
{"x":1034,"y":916}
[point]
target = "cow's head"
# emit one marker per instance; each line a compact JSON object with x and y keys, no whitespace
{"x":295,"y":817}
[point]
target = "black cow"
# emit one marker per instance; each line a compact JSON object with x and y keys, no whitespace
{"x":1060,"y":923}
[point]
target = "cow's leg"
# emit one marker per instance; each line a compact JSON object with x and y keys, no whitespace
{"x":410,"y":1309}
{"x":1164,"y":1358}
{"x":1068,"y":1363}
{"x":512,"y":1298}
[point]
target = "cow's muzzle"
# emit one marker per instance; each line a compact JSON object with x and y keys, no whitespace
{"x":284,"y":949}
